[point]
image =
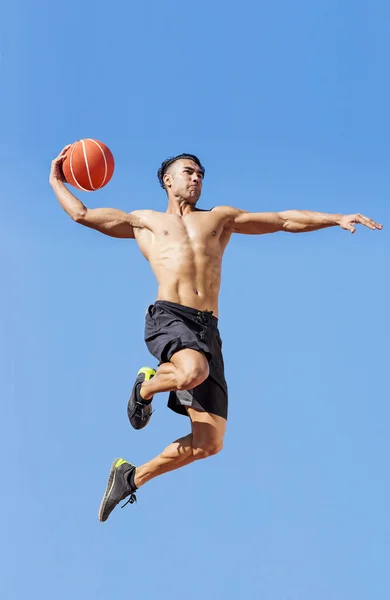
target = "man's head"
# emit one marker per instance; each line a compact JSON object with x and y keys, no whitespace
{"x":182,"y":176}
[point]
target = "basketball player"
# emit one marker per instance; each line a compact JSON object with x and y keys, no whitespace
{"x":184,"y":246}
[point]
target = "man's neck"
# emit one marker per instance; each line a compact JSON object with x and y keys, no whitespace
{"x":179,"y":206}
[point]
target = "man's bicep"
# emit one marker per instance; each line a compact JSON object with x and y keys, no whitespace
{"x":111,"y":221}
{"x":257,"y":223}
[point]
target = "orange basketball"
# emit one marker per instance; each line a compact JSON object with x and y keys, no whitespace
{"x":88,"y":165}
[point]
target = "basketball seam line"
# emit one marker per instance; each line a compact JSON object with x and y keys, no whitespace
{"x":105,"y":161}
{"x":87,"y":165}
{"x":71,"y":168}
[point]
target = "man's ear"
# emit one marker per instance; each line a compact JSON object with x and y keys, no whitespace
{"x":167,"y":179}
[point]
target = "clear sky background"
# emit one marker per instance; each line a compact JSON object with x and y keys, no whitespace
{"x":286,"y":103}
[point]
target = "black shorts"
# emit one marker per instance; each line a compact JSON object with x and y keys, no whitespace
{"x":170,"y":327}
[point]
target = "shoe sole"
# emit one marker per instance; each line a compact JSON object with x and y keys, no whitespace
{"x":130,"y":407}
{"x":139,"y":425}
{"x":108,"y":490}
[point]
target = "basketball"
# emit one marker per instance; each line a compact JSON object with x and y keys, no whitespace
{"x":88,"y":165}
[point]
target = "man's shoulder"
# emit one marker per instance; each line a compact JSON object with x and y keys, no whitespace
{"x":225,"y":211}
{"x":147,"y":218}
{"x":146,"y":213}
{"x":224,"y":208}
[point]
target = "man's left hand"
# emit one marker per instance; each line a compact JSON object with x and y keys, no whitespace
{"x":348,"y":222}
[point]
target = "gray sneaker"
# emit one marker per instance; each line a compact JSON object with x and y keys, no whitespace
{"x":118,"y":488}
{"x":139,"y":410}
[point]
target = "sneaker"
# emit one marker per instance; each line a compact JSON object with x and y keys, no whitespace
{"x":139,"y":410}
{"x":118,"y":488}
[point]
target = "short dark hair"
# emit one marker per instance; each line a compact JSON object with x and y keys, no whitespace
{"x":169,"y":161}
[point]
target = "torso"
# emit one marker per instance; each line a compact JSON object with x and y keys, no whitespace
{"x":185,"y":253}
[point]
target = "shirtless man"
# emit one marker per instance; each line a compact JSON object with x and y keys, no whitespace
{"x":184,"y":246}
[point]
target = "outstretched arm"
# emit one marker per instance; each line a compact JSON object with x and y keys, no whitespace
{"x":296,"y":221}
{"x":109,"y":221}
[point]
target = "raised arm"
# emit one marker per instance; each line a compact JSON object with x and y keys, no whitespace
{"x":295,"y":221}
{"x":109,"y":221}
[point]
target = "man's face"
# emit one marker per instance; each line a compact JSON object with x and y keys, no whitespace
{"x":184,"y":179}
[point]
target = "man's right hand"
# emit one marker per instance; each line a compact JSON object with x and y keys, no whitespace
{"x":56,"y":173}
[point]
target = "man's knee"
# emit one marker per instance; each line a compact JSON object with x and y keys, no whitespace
{"x":192,"y":376}
{"x":207,"y":449}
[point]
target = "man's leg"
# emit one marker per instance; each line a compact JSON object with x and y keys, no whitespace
{"x":186,"y":370}
{"x":205,"y":440}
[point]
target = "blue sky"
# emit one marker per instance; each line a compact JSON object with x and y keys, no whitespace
{"x":287,"y":106}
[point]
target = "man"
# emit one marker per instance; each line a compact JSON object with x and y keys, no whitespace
{"x":184,"y":246}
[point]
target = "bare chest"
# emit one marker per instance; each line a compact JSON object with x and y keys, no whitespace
{"x":200,"y":234}
{"x":189,"y":230}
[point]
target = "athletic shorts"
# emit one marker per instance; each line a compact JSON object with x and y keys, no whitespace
{"x":170,"y":327}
